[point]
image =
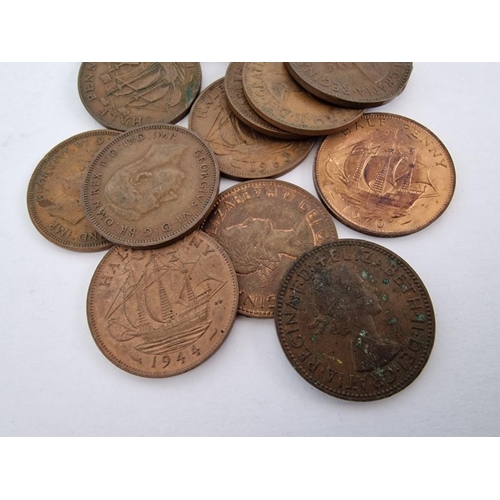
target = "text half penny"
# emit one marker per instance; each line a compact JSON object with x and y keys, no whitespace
{"x":127,"y":95}
{"x":264,"y":226}
{"x":352,"y":84}
{"x":355,"y":320}
{"x":386,"y":175}
{"x":242,"y":153}
{"x":279,"y":99}
{"x":162,"y":312}
{"x":233,"y":85}
{"x":150,"y":186}
{"x":54,"y":192}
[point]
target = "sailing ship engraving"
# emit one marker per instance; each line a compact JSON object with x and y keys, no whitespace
{"x":387,"y":171}
{"x":144,"y":84}
{"x":163,"y":306}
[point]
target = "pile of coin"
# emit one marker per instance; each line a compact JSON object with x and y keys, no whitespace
{"x":353,"y":318}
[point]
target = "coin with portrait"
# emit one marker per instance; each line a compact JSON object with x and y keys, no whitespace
{"x":355,"y":320}
{"x":150,"y":186}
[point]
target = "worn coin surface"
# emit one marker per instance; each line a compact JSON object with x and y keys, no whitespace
{"x":355,"y":320}
{"x":162,"y":312}
{"x":279,"y":99}
{"x":126,"y":95}
{"x":242,"y":153}
{"x":353,"y":84}
{"x":386,"y":175}
{"x":54,"y":192}
{"x":264,"y":226}
{"x":233,"y":85}
{"x":150,"y":186}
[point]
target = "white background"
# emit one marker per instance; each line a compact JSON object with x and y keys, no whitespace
{"x":55,"y":381}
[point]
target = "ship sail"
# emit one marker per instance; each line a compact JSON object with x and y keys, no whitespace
{"x":145,"y":307}
{"x":133,"y":81}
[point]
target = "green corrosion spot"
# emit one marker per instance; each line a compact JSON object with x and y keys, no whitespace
{"x":384,"y":297}
{"x":392,"y":321}
{"x":364,"y":274}
{"x":363,"y":333}
{"x":379,"y":372}
{"x":421,"y":317}
{"x":314,"y":338}
{"x":385,"y":281}
{"x":404,"y":287}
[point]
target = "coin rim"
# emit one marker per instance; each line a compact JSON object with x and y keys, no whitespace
{"x":144,"y":373}
{"x":185,"y":229}
{"x":249,"y":120}
{"x":394,"y":234}
{"x":30,"y":199}
{"x":111,"y":126}
{"x":344,"y":394}
{"x":336,"y":99}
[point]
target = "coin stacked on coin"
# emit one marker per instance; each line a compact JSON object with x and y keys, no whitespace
{"x":353,"y":318}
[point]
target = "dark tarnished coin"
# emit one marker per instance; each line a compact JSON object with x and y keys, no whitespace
{"x":127,"y":95}
{"x":353,"y":84}
{"x":162,"y":312}
{"x":264,"y":226}
{"x":242,"y":153}
{"x":54,"y":192}
{"x":355,"y":320}
{"x":233,"y":85}
{"x":386,"y":175}
{"x":150,"y":186}
{"x":279,"y":99}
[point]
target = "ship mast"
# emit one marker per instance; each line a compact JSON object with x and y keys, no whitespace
{"x":167,"y":314}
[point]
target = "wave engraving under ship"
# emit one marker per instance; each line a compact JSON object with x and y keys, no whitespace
{"x":393,"y":177}
{"x":164,"y":322}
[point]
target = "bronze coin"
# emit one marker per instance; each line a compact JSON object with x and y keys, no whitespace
{"x":54,"y":192}
{"x":353,"y":84}
{"x":150,"y":186}
{"x":162,"y":312}
{"x":279,"y":99}
{"x":233,"y":85}
{"x":127,"y":95}
{"x":355,"y":320}
{"x":264,"y":226}
{"x":386,"y":175}
{"x":242,"y":153}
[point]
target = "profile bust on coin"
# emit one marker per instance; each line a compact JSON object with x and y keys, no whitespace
{"x":147,"y":182}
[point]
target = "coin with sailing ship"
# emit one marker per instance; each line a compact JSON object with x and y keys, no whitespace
{"x":386,"y":175}
{"x":242,"y":153}
{"x":54,"y":192}
{"x":264,"y":225}
{"x":355,"y":320}
{"x":150,"y":186}
{"x":162,"y":312}
{"x":123,"y":95}
{"x":352,"y":84}
{"x":280,"y":100}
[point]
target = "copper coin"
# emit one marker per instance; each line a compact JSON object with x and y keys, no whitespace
{"x":150,"y":186}
{"x":279,"y":99}
{"x":242,"y":153}
{"x":127,"y":94}
{"x":353,"y":84}
{"x":233,"y":85}
{"x":386,"y":175}
{"x":355,"y":320}
{"x":162,"y":312}
{"x":264,"y":226}
{"x":54,"y":192}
